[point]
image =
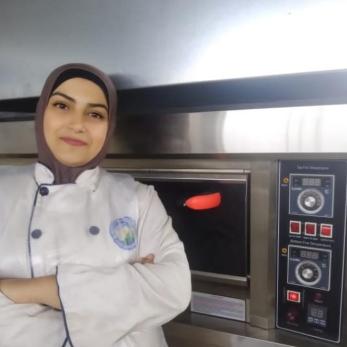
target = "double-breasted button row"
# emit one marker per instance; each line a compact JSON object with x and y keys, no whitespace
{"x":37,"y":233}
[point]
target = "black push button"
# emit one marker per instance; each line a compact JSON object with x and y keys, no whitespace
{"x":94,"y":230}
{"x":36,"y":234}
{"x":44,"y":191}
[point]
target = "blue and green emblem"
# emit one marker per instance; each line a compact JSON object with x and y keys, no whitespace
{"x":123,"y":232}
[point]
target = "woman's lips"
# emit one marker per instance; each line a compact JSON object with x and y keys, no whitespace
{"x":73,"y":142}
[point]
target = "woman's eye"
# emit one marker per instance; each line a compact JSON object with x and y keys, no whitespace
{"x":60,"y":105}
{"x":96,"y":115}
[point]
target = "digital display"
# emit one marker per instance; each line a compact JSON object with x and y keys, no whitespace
{"x":317,"y":315}
{"x":309,"y":254}
{"x":311,"y":181}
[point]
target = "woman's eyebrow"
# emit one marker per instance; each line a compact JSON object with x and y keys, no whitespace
{"x":64,"y":95}
{"x":98,"y":105}
{"x":73,"y":100}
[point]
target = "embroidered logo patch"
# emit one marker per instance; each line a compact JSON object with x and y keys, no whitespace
{"x":123,"y":232}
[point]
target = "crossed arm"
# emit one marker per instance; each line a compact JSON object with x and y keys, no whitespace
{"x":40,"y":290}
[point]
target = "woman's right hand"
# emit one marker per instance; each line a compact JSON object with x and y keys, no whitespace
{"x":38,"y":290}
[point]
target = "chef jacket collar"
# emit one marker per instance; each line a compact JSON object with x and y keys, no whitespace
{"x":88,"y":179}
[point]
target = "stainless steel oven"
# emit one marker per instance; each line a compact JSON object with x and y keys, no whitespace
{"x":210,"y":212}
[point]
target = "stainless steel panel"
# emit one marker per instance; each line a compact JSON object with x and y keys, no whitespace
{"x":306,"y":129}
{"x":228,"y":279}
{"x":179,"y":335}
{"x":17,"y":138}
{"x":203,"y":331}
{"x":262,"y":253}
{"x":281,"y":130}
{"x":154,"y":42}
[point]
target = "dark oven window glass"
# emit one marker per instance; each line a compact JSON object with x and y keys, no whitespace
{"x":215,"y":239}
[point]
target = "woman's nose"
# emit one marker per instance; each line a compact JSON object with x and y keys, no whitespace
{"x":77,"y":122}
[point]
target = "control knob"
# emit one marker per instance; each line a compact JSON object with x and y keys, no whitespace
{"x":310,"y":201}
{"x":308,"y":273}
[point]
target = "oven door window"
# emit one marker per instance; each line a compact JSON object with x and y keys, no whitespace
{"x":214,"y":236}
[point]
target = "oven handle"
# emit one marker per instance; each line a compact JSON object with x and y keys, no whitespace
{"x":204,"y":201}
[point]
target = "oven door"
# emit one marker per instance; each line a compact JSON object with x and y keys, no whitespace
{"x":209,"y":211}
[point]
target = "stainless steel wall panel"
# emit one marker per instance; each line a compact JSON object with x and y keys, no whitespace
{"x":17,"y":138}
{"x":306,"y":129}
{"x":154,"y":42}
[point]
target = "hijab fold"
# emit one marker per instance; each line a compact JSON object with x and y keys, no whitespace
{"x":64,"y":174}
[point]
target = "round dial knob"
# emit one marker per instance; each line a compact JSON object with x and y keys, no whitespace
{"x":308,"y":273}
{"x":310,"y":201}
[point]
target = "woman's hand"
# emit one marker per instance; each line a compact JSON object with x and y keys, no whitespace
{"x":148,"y":259}
{"x":40,"y":290}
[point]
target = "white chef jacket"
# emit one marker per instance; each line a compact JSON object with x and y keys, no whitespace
{"x":90,"y":235}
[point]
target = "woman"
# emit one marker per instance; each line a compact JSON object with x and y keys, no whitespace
{"x":77,"y":244}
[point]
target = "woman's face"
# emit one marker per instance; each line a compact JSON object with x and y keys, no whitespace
{"x":75,"y":121}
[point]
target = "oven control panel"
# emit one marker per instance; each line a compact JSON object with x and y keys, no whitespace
{"x":311,"y":247}
{"x":311,"y":195}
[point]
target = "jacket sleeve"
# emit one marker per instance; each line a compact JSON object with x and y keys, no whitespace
{"x":111,"y":302}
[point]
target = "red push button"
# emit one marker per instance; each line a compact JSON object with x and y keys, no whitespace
{"x":294,"y":227}
{"x":326,"y":230}
{"x":310,"y":229}
{"x":293,"y":296}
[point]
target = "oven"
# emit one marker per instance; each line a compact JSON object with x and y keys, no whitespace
{"x":210,"y":213}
